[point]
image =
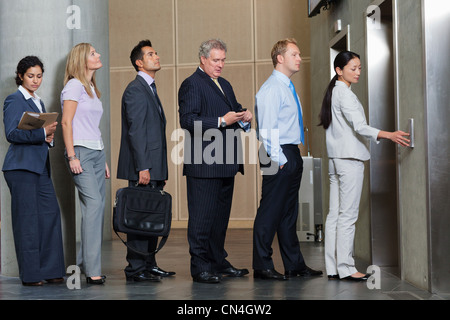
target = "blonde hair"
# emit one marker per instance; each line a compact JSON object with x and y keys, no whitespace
{"x":76,"y":67}
{"x":280,"y":48}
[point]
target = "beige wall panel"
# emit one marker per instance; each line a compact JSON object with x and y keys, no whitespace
{"x":182,"y":196}
{"x":263,"y":72}
{"x":235,"y":22}
{"x":275,"y":20}
{"x":245,"y":201}
{"x":166,"y":84}
{"x":135,"y":20}
{"x":182,"y":73}
{"x":199,"y":20}
{"x":242,"y":79}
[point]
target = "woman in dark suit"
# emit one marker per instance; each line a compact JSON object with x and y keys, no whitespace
{"x":36,"y":220}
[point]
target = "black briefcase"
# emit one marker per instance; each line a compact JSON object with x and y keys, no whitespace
{"x":143,"y":211}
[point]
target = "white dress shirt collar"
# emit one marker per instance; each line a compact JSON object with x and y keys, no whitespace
{"x":146,"y":77}
{"x":36,"y":99}
{"x":27,"y":95}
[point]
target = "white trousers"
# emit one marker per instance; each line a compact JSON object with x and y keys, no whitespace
{"x":346,"y":181}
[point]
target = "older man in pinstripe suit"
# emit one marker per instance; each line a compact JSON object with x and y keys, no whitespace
{"x":206,"y":102}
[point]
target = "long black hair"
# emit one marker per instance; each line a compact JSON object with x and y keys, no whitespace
{"x":342,"y":59}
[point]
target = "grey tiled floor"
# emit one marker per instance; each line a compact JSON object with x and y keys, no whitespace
{"x":175,"y":257}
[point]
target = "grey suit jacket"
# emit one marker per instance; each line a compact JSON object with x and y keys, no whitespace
{"x":143,"y":142}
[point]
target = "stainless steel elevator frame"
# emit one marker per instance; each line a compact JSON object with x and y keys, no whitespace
{"x":436,"y":50}
{"x":382,"y":114}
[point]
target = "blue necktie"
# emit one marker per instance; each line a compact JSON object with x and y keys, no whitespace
{"x":300,"y":118}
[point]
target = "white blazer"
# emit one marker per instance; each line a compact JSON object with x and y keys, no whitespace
{"x":348,"y":135}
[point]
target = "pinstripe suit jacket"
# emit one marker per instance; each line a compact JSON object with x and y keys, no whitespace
{"x":201,"y":103}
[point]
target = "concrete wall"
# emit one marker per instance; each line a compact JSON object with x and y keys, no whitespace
{"x":49,"y":29}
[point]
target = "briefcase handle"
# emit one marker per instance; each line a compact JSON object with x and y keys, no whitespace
{"x":161,"y":244}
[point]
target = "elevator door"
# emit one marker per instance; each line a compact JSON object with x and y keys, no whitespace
{"x":382,"y":115}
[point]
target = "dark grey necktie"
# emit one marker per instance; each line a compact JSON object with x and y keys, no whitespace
{"x":153,"y":86}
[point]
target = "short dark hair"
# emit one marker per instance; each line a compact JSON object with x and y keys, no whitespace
{"x":136,"y":53}
{"x":25,"y":64}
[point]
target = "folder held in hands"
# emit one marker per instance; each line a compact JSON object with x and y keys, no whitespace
{"x":34,"y":120}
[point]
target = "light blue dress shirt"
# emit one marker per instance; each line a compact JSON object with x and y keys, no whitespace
{"x":277,"y":116}
{"x":147,"y":78}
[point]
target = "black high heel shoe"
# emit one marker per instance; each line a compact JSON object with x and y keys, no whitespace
{"x":95,"y":281}
{"x":357,"y":279}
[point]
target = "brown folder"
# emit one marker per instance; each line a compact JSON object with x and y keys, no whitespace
{"x":34,"y":120}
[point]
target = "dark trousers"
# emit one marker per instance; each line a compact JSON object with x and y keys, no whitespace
{"x":138,"y":262}
{"x":36,"y":224}
{"x":277,"y":213}
{"x":209,"y":204}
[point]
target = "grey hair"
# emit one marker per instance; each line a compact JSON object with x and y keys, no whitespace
{"x":208,"y":45}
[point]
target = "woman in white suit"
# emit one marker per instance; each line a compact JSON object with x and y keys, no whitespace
{"x":347,"y":133}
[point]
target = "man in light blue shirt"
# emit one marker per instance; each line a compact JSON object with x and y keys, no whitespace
{"x":277,"y":116}
{"x":280,"y":128}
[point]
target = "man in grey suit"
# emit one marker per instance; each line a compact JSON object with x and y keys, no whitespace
{"x":143,"y":151}
{"x":208,"y":104}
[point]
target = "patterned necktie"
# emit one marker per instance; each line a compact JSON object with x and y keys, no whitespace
{"x":300,"y":117}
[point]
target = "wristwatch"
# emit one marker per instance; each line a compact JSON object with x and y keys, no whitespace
{"x":72,"y":158}
{"x":223,"y":123}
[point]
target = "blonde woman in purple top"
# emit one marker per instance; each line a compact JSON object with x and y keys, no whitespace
{"x":82,"y":112}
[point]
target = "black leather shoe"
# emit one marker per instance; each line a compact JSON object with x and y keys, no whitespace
{"x":333,"y":277}
{"x":157,"y":271}
{"x":206,"y":277}
{"x":55,"y":280}
{"x":143,"y":276}
{"x":305,"y":272}
{"x":233,"y":272}
{"x":95,"y":281}
{"x":33,"y":284}
{"x":357,"y":279}
{"x":269,"y":274}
